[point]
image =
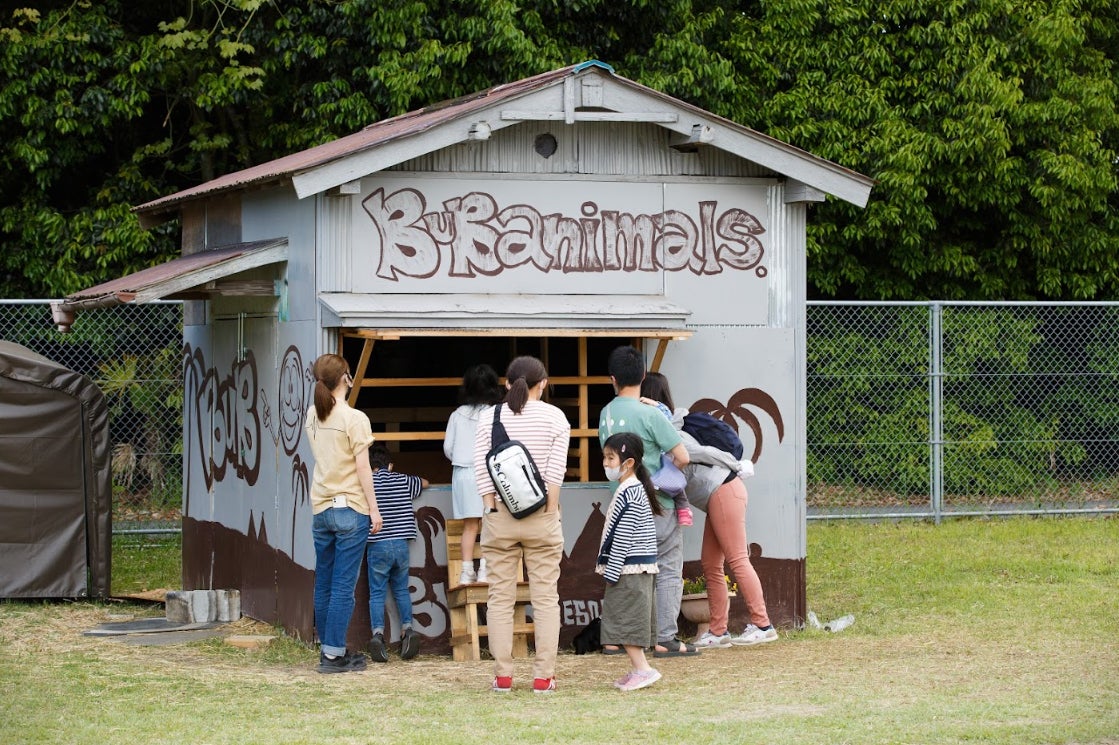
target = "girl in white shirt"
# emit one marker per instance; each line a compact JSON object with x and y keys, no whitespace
{"x":480,"y":389}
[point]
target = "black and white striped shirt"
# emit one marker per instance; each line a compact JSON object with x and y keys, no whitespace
{"x":395,"y":492}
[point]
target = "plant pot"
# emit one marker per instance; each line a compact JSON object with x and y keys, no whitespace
{"x":694,"y":607}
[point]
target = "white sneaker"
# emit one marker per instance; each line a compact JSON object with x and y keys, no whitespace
{"x":710,"y":641}
{"x":467,"y":577}
{"x":483,"y":575}
{"x":753,"y":635}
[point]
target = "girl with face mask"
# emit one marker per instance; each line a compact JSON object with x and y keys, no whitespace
{"x":627,"y":559}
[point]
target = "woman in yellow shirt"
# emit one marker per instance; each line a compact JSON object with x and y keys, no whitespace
{"x":343,"y":505}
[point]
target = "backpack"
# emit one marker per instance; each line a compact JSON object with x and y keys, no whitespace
{"x":515,"y":476}
{"x":708,"y":430}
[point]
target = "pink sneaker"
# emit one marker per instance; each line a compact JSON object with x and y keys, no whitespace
{"x":640,"y":679}
{"x":684,"y":516}
{"x":622,"y":681}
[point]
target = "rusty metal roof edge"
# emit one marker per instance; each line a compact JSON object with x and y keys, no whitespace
{"x":283,"y":168}
{"x":417,"y":122}
{"x":125,"y":289}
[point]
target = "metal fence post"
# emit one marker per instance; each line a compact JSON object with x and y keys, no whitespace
{"x":936,"y":418}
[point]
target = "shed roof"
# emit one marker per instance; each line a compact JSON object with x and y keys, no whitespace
{"x":549,"y":96}
{"x":183,"y":277}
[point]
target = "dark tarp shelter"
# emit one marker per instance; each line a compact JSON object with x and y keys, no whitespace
{"x":55,"y":480}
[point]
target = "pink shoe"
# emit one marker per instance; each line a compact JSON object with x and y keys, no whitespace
{"x":641,"y":679}
{"x":684,"y":516}
{"x":622,"y":681}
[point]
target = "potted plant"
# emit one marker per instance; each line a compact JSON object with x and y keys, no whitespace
{"x":694,"y":605}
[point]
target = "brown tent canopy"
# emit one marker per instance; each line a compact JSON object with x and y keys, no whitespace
{"x":55,"y":480}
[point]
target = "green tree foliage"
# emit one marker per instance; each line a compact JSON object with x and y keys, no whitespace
{"x":990,"y":125}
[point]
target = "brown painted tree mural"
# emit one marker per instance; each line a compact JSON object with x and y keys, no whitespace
{"x":739,"y":407}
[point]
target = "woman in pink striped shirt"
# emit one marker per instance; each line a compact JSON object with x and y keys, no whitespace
{"x":537,"y":539}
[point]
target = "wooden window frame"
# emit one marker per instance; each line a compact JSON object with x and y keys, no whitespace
{"x":582,"y":430}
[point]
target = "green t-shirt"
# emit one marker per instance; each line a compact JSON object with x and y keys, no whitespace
{"x":625,"y":414}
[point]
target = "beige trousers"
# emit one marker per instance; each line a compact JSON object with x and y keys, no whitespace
{"x":538,"y":541}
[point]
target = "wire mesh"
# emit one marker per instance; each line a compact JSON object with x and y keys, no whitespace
{"x":962,"y":408}
{"x":985,"y":409}
{"x":133,"y":353}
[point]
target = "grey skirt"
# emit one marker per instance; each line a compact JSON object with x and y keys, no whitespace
{"x":629,"y":611}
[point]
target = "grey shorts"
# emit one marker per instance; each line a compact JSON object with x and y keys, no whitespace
{"x":629,"y":612}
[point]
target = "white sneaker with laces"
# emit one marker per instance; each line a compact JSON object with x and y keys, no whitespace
{"x":710,"y":641}
{"x":753,"y":635}
{"x":483,"y":575}
{"x":468,"y":576}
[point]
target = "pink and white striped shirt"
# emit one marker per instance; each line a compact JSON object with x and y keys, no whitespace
{"x":541,"y":427}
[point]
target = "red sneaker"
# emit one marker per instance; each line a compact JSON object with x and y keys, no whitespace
{"x":544,"y":685}
{"x":502,"y":684}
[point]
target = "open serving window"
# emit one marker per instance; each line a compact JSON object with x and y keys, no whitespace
{"x":407,"y":381}
{"x":409,"y":352}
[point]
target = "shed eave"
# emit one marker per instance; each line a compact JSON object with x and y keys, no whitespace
{"x":486,"y":312}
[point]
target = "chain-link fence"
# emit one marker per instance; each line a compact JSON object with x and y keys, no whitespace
{"x":914,"y":409}
{"x":133,"y":353}
{"x":930,"y":409}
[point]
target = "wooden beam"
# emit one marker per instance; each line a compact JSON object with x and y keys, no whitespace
{"x":359,"y":374}
{"x":240,"y":287}
{"x":395,"y":334}
{"x":584,"y":412}
{"x":659,"y":117}
{"x":442,"y":434}
{"x":444,"y":382}
{"x":658,"y":356}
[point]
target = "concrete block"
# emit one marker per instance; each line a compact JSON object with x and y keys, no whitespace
{"x":203,"y":606}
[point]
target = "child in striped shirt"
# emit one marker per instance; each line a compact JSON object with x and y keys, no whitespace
{"x":627,"y":559}
{"x":387,"y":553}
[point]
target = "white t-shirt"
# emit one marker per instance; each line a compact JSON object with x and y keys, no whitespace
{"x":458,"y":445}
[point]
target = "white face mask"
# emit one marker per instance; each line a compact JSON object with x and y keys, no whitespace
{"x":613,"y":473}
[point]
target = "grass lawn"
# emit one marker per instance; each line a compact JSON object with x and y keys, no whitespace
{"x":974,"y":631}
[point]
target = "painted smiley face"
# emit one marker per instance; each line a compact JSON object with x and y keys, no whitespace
{"x":292,"y":399}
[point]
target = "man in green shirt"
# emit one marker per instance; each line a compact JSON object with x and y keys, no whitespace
{"x":626,"y":413}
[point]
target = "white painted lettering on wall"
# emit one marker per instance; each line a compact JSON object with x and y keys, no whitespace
{"x":473,"y":234}
{"x":580,"y":612}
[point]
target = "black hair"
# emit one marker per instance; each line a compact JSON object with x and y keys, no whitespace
{"x":523,"y":373}
{"x":379,"y":457}
{"x":655,"y":386}
{"x":627,"y":366}
{"x":628,"y":445}
{"x":480,"y":387}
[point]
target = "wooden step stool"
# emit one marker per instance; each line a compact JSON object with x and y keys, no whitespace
{"x":466,"y":602}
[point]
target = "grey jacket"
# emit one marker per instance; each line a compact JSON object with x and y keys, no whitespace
{"x":709,"y":466}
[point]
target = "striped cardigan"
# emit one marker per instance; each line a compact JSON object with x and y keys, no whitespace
{"x":629,"y":539}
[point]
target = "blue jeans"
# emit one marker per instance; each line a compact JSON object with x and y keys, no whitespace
{"x":388,"y":563}
{"x":340,"y":534}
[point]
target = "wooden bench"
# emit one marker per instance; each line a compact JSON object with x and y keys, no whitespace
{"x":467,"y":604}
